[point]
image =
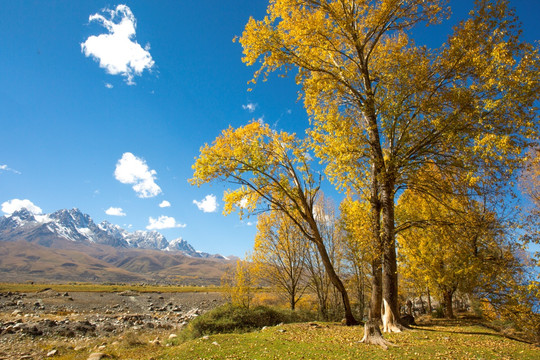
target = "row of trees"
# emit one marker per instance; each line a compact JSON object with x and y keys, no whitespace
{"x":440,"y":131}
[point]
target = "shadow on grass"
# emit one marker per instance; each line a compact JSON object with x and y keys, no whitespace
{"x":465,"y":321}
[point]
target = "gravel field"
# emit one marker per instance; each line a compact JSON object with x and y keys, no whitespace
{"x":33,"y":324}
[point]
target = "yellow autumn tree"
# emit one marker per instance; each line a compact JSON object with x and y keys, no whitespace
{"x":279,"y":255}
{"x":454,"y":242}
{"x":383,"y":106}
{"x":239,"y":283}
{"x":530,"y":184}
{"x":273,"y":173}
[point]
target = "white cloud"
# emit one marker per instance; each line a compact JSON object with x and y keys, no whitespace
{"x":164,"y":204}
{"x":109,"y":86}
{"x":7,"y":168}
{"x":133,"y":170}
{"x":163,"y":222}
{"x":249,"y":107}
{"x":115,"y":211}
{"x":118,"y":52}
{"x":208,"y":204}
{"x":11,"y":206}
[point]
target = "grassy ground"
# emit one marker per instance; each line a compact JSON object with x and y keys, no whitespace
{"x":79,"y":287}
{"x":438,"y":340}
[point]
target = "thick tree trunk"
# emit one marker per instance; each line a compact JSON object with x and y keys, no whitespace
{"x":376,"y":263}
{"x":448,"y":307}
{"x":372,"y":335}
{"x":390,"y":316}
{"x":376,"y":290}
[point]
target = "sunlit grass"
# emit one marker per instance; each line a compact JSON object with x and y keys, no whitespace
{"x":333,"y":341}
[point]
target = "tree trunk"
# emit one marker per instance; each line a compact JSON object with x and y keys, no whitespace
{"x":376,"y":263}
{"x":334,"y":278}
{"x":376,"y":291}
{"x":372,"y":335}
{"x":390,"y":316}
{"x":422,"y":304}
{"x":430,"y":308}
{"x":448,"y":308}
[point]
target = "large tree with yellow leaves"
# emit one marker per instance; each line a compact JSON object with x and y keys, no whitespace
{"x":382,"y":106}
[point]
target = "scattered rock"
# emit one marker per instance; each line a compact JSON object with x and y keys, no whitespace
{"x":52,"y":353}
{"x":97,"y":356}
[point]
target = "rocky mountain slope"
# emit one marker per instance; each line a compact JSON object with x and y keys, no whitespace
{"x":68,"y":246}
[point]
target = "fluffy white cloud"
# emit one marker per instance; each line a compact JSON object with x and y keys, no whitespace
{"x":249,"y":107}
{"x":164,"y":204}
{"x":118,"y":52}
{"x":7,"y":168}
{"x":163,"y":222}
{"x":11,"y":206}
{"x":115,"y":211}
{"x":133,"y":170}
{"x":109,"y":86}
{"x":208,"y":204}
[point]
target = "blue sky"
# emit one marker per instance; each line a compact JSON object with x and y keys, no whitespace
{"x":121,"y":140}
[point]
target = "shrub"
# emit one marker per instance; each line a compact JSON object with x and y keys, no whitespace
{"x":439,"y":312}
{"x":237,"y":319}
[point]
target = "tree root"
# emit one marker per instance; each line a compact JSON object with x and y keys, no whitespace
{"x":373,"y":335}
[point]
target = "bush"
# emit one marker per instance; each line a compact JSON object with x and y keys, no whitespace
{"x":439,"y":312}
{"x":235,"y":319}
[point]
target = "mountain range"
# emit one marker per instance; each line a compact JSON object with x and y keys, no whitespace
{"x":67,"y":245}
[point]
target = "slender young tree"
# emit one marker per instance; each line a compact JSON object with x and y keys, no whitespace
{"x":279,"y":255}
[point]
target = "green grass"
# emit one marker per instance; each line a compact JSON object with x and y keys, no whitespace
{"x":438,"y":340}
{"x":333,"y":341}
{"x":80,"y":287}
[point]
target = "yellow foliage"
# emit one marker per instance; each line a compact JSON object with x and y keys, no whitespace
{"x":238,"y":284}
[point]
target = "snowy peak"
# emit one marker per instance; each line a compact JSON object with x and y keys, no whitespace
{"x":147,"y":240}
{"x":16,"y":219}
{"x":76,"y":226}
{"x":180,"y":244}
{"x":23,"y":215}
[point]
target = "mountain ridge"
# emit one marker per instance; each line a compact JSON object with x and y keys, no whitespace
{"x":67,"y":246}
{"x":77,"y":226}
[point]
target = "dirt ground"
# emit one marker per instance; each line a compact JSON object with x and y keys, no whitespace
{"x":40,"y":325}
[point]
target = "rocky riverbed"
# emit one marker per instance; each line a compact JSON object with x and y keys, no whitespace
{"x":47,"y":323}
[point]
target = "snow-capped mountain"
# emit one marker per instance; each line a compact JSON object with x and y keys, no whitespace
{"x":76,"y":226}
